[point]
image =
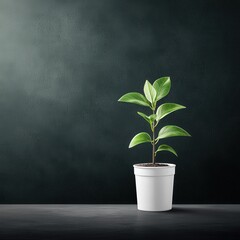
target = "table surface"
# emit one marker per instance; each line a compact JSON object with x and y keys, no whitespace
{"x":80,"y":221}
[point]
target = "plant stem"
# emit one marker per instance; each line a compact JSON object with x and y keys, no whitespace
{"x":153,"y":138}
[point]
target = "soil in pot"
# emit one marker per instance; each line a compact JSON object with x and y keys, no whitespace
{"x":152,"y":165}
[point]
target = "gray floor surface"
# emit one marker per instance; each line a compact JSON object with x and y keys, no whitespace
{"x":73,"y":221}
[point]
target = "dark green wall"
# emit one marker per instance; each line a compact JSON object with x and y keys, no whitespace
{"x":64,"y":64}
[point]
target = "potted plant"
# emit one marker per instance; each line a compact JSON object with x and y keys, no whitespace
{"x":154,"y":181}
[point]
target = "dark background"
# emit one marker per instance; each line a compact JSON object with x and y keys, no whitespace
{"x":64,"y":64}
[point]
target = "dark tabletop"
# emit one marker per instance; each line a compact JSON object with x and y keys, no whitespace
{"x":118,"y":222}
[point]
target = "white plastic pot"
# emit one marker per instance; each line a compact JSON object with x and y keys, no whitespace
{"x":154,"y":187}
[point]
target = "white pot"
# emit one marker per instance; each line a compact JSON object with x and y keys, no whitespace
{"x":154,"y":187}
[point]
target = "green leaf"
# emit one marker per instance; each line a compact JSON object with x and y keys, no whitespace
{"x":140,"y":138}
{"x":162,"y":86}
{"x":165,"y":147}
{"x":149,"y":119}
{"x":149,"y":91}
{"x":152,"y":117}
{"x":166,"y":108}
{"x":134,"y":97}
{"x":143,"y":115}
{"x":172,"y":131}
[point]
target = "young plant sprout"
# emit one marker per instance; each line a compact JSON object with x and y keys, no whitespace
{"x":152,"y":94}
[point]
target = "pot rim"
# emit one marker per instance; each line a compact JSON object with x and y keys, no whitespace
{"x":169,"y":165}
